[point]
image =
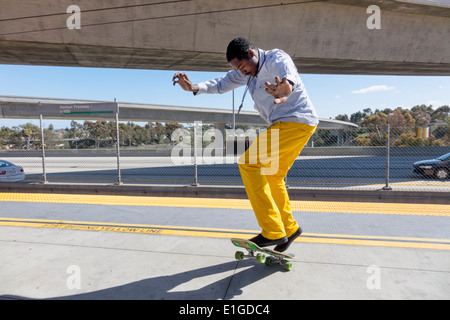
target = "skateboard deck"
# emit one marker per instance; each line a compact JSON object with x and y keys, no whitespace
{"x":273,"y":257}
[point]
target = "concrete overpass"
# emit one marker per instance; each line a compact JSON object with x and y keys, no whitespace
{"x":26,"y":108}
{"x":321,"y":36}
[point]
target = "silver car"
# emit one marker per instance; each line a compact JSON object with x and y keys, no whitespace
{"x":10,"y":172}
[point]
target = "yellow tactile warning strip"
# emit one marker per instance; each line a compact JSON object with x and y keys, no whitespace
{"x":399,"y":242}
{"x":303,"y":206}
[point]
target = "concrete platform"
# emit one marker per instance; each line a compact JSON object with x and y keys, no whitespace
{"x":40,"y":264}
{"x":43,"y":256}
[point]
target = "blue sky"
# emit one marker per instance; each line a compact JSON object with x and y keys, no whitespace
{"x":331,"y":94}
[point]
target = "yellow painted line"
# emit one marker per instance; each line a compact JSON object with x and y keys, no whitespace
{"x":377,"y":243}
{"x":441,"y":244}
{"x":301,"y":206}
{"x":129,"y":225}
{"x":128,"y":228}
{"x":379,"y":238}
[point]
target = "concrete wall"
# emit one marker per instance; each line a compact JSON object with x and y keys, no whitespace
{"x":422,"y":153}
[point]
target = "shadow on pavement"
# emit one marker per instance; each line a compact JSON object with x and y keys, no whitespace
{"x":165,"y":287}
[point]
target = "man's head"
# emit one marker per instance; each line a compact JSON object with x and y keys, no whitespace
{"x":243,"y":56}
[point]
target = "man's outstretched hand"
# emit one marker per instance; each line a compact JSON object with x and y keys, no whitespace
{"x":280,"y":91}
{"x":184,"y":82}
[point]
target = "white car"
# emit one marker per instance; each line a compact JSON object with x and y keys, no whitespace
{"x":10,"y":172}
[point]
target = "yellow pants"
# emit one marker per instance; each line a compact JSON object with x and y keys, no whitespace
{"x":263,"y":168}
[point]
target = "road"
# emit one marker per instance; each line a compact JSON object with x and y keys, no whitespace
{"x":364,"y":172}
{"x":62,"y":246}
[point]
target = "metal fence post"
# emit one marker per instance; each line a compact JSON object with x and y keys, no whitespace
{"x":44,"y":174}
{"x":388,"y":154}
{"x":119,"y":178}
{"x":195,"y":183}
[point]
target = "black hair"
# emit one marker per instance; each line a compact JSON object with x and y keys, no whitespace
{"x":238,"y":48}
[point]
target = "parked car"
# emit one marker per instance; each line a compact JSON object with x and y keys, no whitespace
{"x":10,"y":172}
{"x":438,"y":168}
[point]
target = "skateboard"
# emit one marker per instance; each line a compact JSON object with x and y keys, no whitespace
{"x":273,"y":257}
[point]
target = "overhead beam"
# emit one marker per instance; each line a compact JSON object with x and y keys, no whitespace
{"x":26,"y":108}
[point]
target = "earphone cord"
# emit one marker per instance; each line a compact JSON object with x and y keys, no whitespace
{"x":248,"y":84}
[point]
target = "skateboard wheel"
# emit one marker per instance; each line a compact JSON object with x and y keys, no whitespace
{"x":288,"y":266}
{"x":261,"y":258}
{"x":269,"y":261}
{"x":239,"y":255}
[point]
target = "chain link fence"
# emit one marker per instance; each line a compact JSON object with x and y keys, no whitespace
{"x":360,"y":158}
{"x":374,"y":158}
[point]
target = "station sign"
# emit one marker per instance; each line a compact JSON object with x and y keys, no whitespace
{"x":77,"y":108}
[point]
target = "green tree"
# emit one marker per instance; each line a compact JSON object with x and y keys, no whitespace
{"x":441,"y":114}
{"x":342,"y":117}
{"x":422,"y":114}
{"x":30,"y":132}
{"x":75,"y":131}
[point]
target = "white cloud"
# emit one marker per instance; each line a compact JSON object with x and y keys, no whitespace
{"x":435,"y":103}
{"x":374,"y":89}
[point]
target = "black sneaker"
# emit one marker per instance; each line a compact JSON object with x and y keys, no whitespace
{"x":283,"y":247}
{"x":264,"y":242}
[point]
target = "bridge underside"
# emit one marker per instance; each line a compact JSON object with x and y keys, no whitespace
{"x":321,"y":36}
{"x":30,"y":53}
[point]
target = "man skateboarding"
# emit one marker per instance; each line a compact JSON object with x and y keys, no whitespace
{"x":286,"y":107}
